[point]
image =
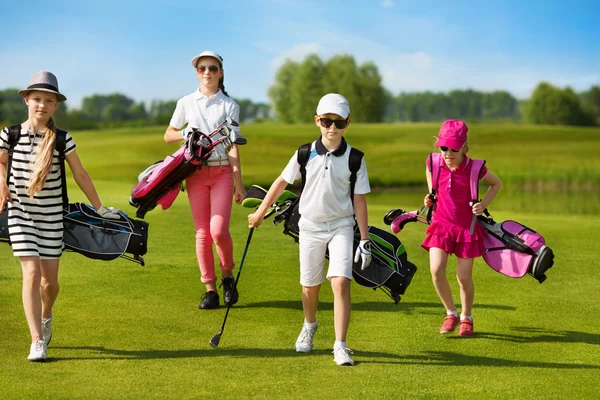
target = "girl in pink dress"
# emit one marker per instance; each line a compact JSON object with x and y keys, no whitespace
{"x":449,"y":232}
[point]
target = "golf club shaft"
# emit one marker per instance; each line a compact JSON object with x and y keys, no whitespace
{"x":237,"y":278}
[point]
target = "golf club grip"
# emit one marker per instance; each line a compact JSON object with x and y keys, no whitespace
{"x":473,"y":221}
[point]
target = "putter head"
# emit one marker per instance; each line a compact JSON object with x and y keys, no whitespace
{"x":214,"y":341}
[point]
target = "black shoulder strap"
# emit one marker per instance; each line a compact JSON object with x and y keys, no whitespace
{"x":14,"y":133}
{"x":60,"y":145}
{"x":354,"y":164}
{"x":303,"y":154}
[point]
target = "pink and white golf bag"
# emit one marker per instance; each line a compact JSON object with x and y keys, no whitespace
{"x":161,"y":182}
{"x":514,"y":250}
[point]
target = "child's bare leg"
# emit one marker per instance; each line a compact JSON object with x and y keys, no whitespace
{"x":49,"y":285}
{"x":32,"y":302}
{"x":310,"y":302}
{"x":438,"y":260}
{"x":341,"y":306}
{"x":464,"y":275}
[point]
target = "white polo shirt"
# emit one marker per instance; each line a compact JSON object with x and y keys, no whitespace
{"x":326,"y":193}
{"x":205,"y":113}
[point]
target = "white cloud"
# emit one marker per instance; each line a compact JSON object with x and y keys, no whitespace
{"x":387,"y":3}
{"x":296,"y":53}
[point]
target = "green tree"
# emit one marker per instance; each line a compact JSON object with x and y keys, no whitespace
{"x":590,"y":101}
{"x":307,"y":88}
{"x":372,"y":94}
{"x":160,"y":112}
{"x":12,"y":106}
{"x":280,"y":92}
{"x":341,"y":76}
{"x":552,"y":106}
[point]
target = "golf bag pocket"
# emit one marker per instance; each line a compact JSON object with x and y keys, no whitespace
{"x":390,"y":269}
{"x":291,"y":226}
{"x":514,"y":250}
{"x":87,"y":233}
{"x":4,"y":225}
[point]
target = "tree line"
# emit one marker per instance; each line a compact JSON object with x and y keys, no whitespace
{"x":113,"y":110}
{"x":298,"y":86}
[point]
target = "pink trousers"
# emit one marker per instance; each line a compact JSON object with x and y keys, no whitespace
{"x":210,"y":192}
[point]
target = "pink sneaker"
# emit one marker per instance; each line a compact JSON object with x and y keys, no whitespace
{"x":466,"y":328}
{"x":449,"y":324}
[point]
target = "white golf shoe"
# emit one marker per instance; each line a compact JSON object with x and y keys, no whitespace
{"x":341,"y":356}
{"x":37,"y":352}
{"x":304,"y":343}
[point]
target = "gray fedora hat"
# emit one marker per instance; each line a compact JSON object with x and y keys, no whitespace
{"x":44,"y":81}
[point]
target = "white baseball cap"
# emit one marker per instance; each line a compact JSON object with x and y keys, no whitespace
{"x":207,"y":53}
{"x":334,"y":103}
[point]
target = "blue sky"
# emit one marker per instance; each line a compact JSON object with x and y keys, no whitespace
{"x":143,"y":48}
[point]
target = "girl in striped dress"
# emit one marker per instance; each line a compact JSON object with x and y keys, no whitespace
{"x":32,"y":190}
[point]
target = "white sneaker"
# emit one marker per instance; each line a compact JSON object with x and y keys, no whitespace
{"x":304,"y":343}
{"x":37,"y":352}
{"x":341,"y":356}
{"x":47,"y":329}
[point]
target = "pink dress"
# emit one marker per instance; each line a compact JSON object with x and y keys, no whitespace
{"x":451,"y":222}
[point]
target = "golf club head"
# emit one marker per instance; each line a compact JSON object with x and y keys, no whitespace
{"x":392,"y":215}
{"x":214,"y":341}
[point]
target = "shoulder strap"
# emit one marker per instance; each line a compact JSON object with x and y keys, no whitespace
{"x":435,"y":160}
{"x":354,"y":164}
{"x":474,"y":178}
{"x":434,"y":167}
{"x":303,"y":154}
{"x":60,"y":145}
{"x":14,"y":133}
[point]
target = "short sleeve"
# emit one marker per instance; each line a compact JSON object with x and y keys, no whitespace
{"x":483,"y":172}
{"x":4,"y":140}
{"x":178,"y":119}
{"x":362,"y":185}
{"x":69,"y":144}
{"x":291,"y":173}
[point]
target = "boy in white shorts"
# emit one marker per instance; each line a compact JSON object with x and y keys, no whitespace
{"x":327,"y":221}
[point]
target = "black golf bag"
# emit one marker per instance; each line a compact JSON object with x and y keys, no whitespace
{"x":389,"y":270}
{"x":89,"y":234}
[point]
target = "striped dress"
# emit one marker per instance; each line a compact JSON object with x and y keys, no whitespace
{"x":35,"y":225}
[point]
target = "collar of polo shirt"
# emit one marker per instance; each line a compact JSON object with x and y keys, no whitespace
{"x":322,"y":150}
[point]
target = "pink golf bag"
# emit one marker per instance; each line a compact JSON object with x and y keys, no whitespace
{"x":515,"y":250}
{"x":161,"y":182}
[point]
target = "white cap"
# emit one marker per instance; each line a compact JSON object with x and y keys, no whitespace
{"x":334,"y":103}
{"x":207,"y":53}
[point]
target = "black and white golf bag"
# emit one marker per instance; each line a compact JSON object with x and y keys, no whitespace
{"x":89,"y":234}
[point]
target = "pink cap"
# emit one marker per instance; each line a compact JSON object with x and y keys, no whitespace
{"x":453,"y":134}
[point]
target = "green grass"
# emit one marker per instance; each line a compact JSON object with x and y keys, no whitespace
{"x":127,"y":331}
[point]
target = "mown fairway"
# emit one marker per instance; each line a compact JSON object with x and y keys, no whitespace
{"x":127,"y":331}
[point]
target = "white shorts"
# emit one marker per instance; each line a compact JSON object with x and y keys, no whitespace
{"x":317,"y":237}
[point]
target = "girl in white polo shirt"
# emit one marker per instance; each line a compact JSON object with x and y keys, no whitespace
{"x":326,"y":222}
{"x":210,"y":189}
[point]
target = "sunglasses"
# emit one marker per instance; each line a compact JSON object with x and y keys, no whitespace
{"x":212,"y":68}
{"x":445,"y":149}
{"x":327,"y":122}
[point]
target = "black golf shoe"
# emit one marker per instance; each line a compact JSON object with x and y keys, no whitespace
{"x":210,"y":300}
{"x":229,"y":294}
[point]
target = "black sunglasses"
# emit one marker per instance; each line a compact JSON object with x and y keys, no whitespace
{"x":212,"y":68}
{"x":327,"y":122}
{"x":445,"y":149}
